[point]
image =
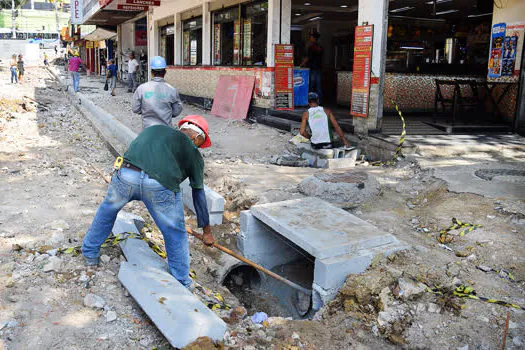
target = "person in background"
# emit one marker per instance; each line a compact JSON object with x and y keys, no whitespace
{"x":314,"y":61}
{"x":157,"y":101}
{"x":321,"y":122}
{"x":46,"y":61}
{"x":20,"y":66}
{"x":111,"y":74}
{"x":13,"y":67}
{"x":73,"y":65}
{"x":56,"y":49}
{"x":133,"y":65}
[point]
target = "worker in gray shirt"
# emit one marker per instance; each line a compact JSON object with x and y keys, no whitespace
{"x":157,"y":101}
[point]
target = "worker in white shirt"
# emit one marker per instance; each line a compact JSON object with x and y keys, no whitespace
{"x":133,"y":66}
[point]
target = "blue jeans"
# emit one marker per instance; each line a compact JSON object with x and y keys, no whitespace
{"x":315,"y":82}
{"x":14,"y":75}
{"x":132,"y":81}
{"x":165,"y":207}
{"x":75,"y":76}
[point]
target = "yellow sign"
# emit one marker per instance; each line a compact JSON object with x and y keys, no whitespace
{"x":89,"y":44}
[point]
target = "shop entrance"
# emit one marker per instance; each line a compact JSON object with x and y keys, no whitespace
{"x":430,"y":44}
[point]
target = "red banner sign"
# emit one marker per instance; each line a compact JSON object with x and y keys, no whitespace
{"x":284,"y":77}
{"x":361,"y":73}
{"x":127,"y":7}
{"x":144,"y":2}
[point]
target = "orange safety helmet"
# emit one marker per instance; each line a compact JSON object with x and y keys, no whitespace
{"x":201,"y":123}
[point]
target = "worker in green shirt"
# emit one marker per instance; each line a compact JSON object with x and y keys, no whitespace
{"x":155,"y":164}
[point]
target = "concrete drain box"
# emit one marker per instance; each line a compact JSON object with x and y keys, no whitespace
{"x":340,"y":242}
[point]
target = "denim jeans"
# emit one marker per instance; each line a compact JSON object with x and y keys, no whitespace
{"x":75,"y":76}
{"x":165,"y":207}
{"x":315,"y":82}
{"x":14,"y":75}
{"x":132,"y":81}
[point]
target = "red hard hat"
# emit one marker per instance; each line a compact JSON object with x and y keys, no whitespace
{"x":201,"y":123}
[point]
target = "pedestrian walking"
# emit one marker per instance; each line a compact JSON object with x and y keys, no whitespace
{"x":157,"y":101}
{"x":154,"y":165}
{"x":132,"y":73}
{"x":73,"y":66}
{"x":111,"y":76}
{"x":13,"y":64}
{"x":20,"y":67}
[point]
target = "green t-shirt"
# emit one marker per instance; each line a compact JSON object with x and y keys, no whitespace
{"x":168,"y":156}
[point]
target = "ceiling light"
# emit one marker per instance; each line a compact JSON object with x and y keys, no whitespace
{"x":438,"y":2}
{"x":343,"y":6}
{"x":297,"y":14}
{"x":402,"y":9}
{"x":445,"y":12}
{"x":482,"y":15}
{"x":315,"y":18}
{"x":412,"y":47}
{"x":307,"y":4}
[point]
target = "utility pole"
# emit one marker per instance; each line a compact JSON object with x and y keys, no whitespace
{"x":13,"y":18}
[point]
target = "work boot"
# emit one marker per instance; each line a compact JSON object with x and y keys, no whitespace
{"x":91,"y":262}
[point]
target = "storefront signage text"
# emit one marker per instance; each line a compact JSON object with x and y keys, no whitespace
{"x":217,"y":44}
{"x":76,"y":12}
{"x":144,"y":2}
{"x":361,"y":72}
{"x":284,"y":77}
{"x":127,"y":7}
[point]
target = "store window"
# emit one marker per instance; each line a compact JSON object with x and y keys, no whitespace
{"x":167,"y":43}
{"x":239,"y":35}
{"x":192,"y":41}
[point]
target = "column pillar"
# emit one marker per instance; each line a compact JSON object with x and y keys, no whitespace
{"x":177,"y":48}
{"x":206,"y":34}
{"x":279,"y":22}
{"x":374,"y":12}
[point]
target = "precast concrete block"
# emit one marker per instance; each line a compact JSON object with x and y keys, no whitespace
{"x":331,"y":273}
{"x":338,"y":163}
{"x":214,"y":201}
{"x":321,"y":296}
{"x":321,"y":229}
{"x":263,"y":245}
{"x":139,"y":253}
{"x":127,"y":222}
{"x":179,"y":315}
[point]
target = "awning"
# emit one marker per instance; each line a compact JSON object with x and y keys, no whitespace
{"x":99,"y":34}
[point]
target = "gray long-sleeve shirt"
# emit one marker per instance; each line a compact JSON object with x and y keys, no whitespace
{"x":157,"y":101}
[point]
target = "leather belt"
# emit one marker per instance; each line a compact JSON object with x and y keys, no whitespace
{"x":127,"y":165}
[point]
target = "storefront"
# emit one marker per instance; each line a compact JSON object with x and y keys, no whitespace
{"x":415,"y":44}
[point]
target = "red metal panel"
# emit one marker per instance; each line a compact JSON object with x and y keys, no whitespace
{"x":104,"y":3}
{"x":233,"y":96}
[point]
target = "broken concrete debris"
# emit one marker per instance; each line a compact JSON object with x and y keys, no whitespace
{"x":94,"y":301}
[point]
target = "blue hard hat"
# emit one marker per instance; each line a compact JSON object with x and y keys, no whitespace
{"x":158,"y":62}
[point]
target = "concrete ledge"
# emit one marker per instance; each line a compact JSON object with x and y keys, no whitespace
{"x":176,"y":312}
{"x":214,"y":201}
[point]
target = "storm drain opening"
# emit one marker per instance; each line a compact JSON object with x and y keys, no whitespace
{"x":260,"y":292}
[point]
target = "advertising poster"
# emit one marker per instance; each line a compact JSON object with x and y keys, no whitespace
{"x":193,"y":52}
{"x":237,"y":42}
{"x":496,"y":50}
{"x":284,"y":77}
{"x":247,"y":42}
{"x":512,"y":49}
{"x":141,"y":34}
{"x":361,"y":73}
{"x":217,"y":44}
{"x":186,"y":45}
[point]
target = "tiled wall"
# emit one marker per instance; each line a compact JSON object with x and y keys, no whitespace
{"x":416,"y":92}
{"x":202,"y":81}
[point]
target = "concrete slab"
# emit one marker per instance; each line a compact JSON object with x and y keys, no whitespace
{"x":320,"y":228}
{"x":177,"y":313}
{"x":127,"y":223}
{"x":139,"y":253}
{"x":214,"y":201}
